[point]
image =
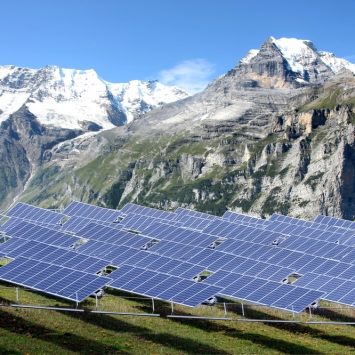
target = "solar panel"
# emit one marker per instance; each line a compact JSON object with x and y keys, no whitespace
{"x":32,"y":213}
{"x":167,"y":288}
{"x":30,"y":231}
{"x":244,"y":219}
{"x":81,"y":209}
{"x":76,"y":223}
{"x":54,"y":280}
{"x":146,"y":211}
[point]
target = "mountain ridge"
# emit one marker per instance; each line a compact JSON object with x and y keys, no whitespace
{"x":64,"y":97}
{"x":262,"y":138}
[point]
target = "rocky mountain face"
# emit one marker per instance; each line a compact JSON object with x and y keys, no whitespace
{"x":274,"y":134}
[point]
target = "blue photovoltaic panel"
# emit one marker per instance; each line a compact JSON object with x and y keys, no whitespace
{"x":26,"y":230}
{"x":75,"y":223}
{"x":167,"y":288}
{"x":28,"y":212}
{"x":244,"y":219}
{"x":146,"y":211}
{"x":183,"y":212}
{"x":54,"y":280}
{"x":92,"y":212}
{"x":332,"y":221}
{"x":193,"y":222}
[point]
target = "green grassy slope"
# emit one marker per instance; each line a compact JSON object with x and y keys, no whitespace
{"x":24,"y":331}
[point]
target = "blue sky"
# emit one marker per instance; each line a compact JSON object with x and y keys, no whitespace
{"x":178,"y":41}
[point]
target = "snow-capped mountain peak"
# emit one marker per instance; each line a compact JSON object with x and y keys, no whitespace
{"x":70,"y":98}
{"x":299,"y":53}
{"x":138,"y":97}
{"x":335,"y":63}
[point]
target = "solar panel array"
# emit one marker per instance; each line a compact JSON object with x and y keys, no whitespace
{"x":185,"y":257}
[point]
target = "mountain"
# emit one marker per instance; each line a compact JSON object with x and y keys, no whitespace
{"x":40,"y":108}
{"x":79,"y":99}
{"x":274,"y":134}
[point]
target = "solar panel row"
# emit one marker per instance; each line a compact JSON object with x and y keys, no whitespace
{"x":92,"y":212}
{"x":52,"y":279}
{"x":22,"y":229}
{"x":32,"y":213}
{"x":259,"y":253}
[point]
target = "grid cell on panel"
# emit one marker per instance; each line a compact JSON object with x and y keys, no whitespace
{"x":349,"y":298}
{"x":199,"y":297}
{"x":34,"y":279}
{"x":69,"y":278}
{"x":170,"y":265}
{"x":290,"y":259}
{"x":286,"y":301}
{"x":318,"y":282}
{"x":120,"y":280}
{"x":337,"y":269}
{"x":234,"y":263}
{"x":258,"y":266}
{"x":157,"y":289}
{"x":348,"y":274}
{"x":237,"y":285}
{"x":326,"y":266}
{"x":280,"y":274}
{"x":221,"y":262}
{"x":188,"y":292}
{"x":249,"y":288}
{"x":52,"y":279}
{"x":243,"y":267}
{"x":180,"y":286}
{"x":317,"y":262}
{"x":263,"y":291}
{"x":349,"y":257}
{"x":138,"y":280}
{"x":275,"y":295}
{"x":144,"y":287}
{"x":340,"y":292}
{"x":21,"y":278}
{"x":305,"y":301}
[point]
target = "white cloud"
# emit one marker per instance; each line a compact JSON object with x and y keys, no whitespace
{"x":191,"y":75}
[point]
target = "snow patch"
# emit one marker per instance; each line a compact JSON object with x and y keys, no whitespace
{"x":141,"y":96}
{"x":10,"y":102}
{"x":335,"y":63}
{"x":299,"y":53}
{"x":250,"y":55}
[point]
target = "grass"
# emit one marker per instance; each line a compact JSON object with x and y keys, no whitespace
{"x":43,"y":332}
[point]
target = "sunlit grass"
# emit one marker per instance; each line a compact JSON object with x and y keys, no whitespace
{"x":43,"y":332}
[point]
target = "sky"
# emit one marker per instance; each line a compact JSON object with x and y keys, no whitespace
{"x":179,"y":42}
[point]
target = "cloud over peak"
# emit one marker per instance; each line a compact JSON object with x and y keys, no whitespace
{"x":192,"y":75}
